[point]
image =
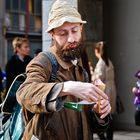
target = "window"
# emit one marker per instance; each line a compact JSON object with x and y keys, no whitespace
{"x":31,"y":23}
{"x":37,"y":7}
{"x":15,"y":21}
{"x":23,"y":6}
{"x":19,"y":15}
{"x":31,"y":6}
{"x":15,"y":5}
{"x":38,"y":24}
{"x":21,"y":22}
{"x":8,"y":5}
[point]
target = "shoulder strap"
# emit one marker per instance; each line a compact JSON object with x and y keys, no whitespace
{"x":54,"y":64}
{"x":86,"y":78}
{"x":9,"y":102}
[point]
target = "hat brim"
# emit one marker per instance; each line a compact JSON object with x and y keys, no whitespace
{"x":61,"y":21}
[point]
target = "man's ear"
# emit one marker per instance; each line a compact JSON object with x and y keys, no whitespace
{"x":51,"y":34}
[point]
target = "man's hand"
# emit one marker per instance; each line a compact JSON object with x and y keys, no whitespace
{"x":105,"y":108}
{"x":84,"y":91}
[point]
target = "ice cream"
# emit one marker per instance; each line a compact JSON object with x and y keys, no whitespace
{"x":100,"y":85}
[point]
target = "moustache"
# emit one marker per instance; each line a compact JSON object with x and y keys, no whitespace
{"x":72,"y":45}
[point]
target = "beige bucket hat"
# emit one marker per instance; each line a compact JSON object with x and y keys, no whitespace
{"x":63,"y":11}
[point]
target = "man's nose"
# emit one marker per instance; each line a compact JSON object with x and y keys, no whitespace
{"x":71,"y":38}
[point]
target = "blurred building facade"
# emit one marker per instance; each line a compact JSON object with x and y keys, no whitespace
{"x":20,"y":18}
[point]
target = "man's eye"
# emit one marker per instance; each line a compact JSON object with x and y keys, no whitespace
{"x":74,"y":31}
{"x":62,"y":34}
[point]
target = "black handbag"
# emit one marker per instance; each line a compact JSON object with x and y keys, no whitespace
{"x":119,"y":105}
{"x":137,"y":117}
{"x":99,"y":125}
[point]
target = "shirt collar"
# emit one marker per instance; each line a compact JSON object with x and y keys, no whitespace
{"x":20,"y":57}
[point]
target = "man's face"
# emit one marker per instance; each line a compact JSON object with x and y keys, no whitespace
{"x":24,"y":49}
{"x":67,"y":40}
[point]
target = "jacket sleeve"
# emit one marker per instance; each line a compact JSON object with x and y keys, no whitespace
{"x":36,"y":93}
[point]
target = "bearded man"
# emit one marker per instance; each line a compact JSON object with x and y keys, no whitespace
{"x":51,"y":121}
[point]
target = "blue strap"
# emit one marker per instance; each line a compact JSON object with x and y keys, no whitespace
{"x":54,"y":64}
{"x":86,"y":78}
{"x":10,"y":99}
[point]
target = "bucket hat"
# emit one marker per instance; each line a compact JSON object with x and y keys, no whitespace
{"x":63,"y":11}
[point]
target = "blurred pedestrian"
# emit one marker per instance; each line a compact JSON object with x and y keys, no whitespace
{"x":104,"y":71}
{"x":18,"y":62}
{"x":85,"y":62}
{"x":1,"y":85}
{"x":37,"y":51}
{"x":46,"y":99}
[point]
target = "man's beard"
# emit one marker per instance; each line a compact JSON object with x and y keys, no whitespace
{"x":69,"y":54}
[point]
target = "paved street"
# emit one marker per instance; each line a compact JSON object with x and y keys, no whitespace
{"x":123,"y":135}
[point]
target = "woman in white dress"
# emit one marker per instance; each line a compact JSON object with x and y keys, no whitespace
{"x":104,"y":71}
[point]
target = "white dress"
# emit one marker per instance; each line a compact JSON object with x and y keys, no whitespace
{"x":106,"y":74}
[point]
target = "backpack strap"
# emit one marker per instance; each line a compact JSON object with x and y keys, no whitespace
{"x":10,"y":99}
{"x":54,"y":64}
{"x":86,"y":78}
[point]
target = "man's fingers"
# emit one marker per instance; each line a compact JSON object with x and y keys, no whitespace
{"x":100,"y":93}
{"x":106,"y":111}
{"x":104,"y":103}
{"x":93,"y":97}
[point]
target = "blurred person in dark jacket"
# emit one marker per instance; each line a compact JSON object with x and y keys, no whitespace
{"x":18,"y":62}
